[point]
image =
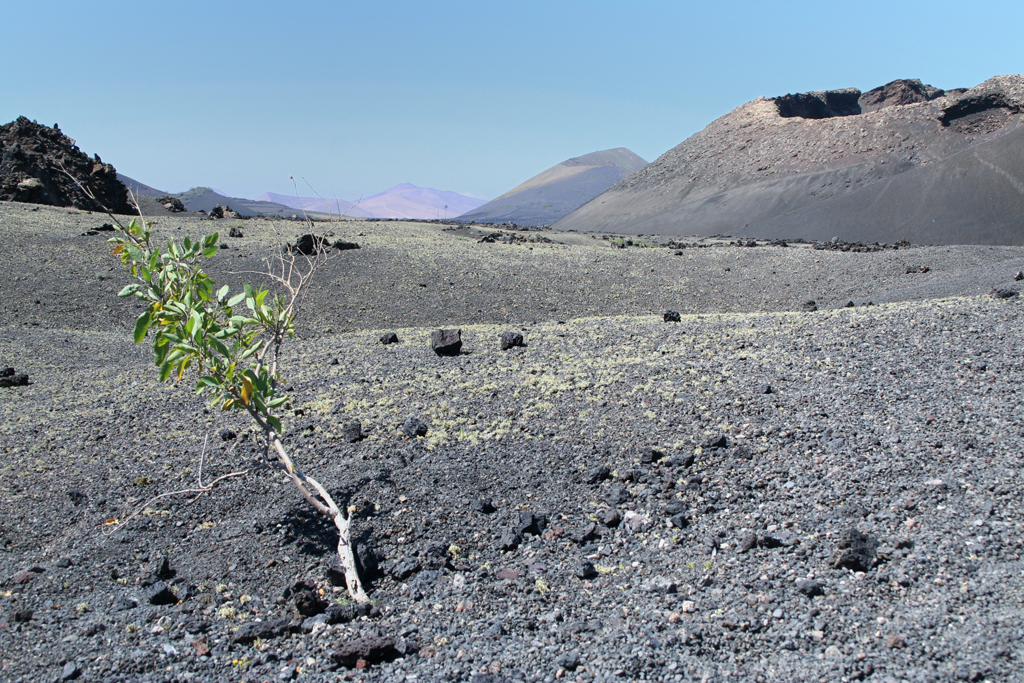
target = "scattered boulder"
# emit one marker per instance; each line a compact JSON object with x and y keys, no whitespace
{"x":70,"y":672}
{"x":235,"y":231}
{"x":414,"y":427}
{"x":510,"y":540}
{"x":748,"y":541}
{"x":510,"y":339}
{"x":10,"y":378}
{"x":597,"y":474}
{"x":765,"y":389}
{"x":216,"y":212}
{"x":611,"y":518}
{"x":227,"y":434}
{"x":617,"y":495}
{"x":369,"y":650}
{"x":1019,"y":276}
{"x":570,"y":661}
{"x":77,"y":497}
{"x":532,"y":523}
{"x":809,"y":587}
{"x":389,"y":338}
{"x":716,"y":442}
{"x":308,"y":245}
{"x":352,"y":432}
{"x":917,"y":269}
{"x":261,"y":630}
{"x":446,"y":342}
{"x":1003,"y":293}
{"x":810,"y":306}
{"x":672,"y":316}
{"x":308,"y":603}
{"x":342,"y":245}
{"x":172,"y":204}
{"x":585,"y":570}
{"x":855,"y":550}
{"x":649,"y":455}
{"x":160,"y":594}
{"x":483,"y":506}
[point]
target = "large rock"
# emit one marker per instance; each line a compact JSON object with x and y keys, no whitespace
{"x":31,"y":157}
{"x":446,"y":342}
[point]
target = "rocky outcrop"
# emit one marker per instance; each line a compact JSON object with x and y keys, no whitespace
{"x":903,"y":161}
{"x":33,"y":161}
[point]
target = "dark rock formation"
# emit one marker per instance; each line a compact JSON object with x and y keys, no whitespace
{"x":31,"y":160}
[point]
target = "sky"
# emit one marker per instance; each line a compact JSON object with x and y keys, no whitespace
{"x":351,"y":98}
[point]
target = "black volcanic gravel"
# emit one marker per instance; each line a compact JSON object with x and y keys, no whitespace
{"x":860,"y":521}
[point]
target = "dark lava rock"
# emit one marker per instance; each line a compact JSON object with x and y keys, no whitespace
{"x":484,"y":506}
{"x":532,"y":523}
{"x":227,"y":434}
{"x":446,"y":342}
{"x":570,"y":661}
{"x":369,"y":649}
{"x":510,"y":540}
{"x":342,"y":245}
{"x":308,"y":245}
{"x":70,"y":672}
{"x":77,"y":497}
{"x":352,"y":432}
{"x":308,"y":603}
{"x":748,"y":541}
{"x":680,"y":521}
{"x":13,"y":379}
{"x":124,"y":604}
{"x":810,"y":306}
{"x":414,"y":427}
{"x":389,"y":338}
{"x":809,"y":587}
{"x":1019,"y":276}
{"x":172,"y":204}
{"x":31,"y":156}
{"x":585,"y":570}
{"x":160,"y":594}
{"x":681,"y":460}
{"x":898,"y":93}
{"x":768,"y":541}
{"x":217,"y":212}
{"x":597,"y":474}
{"x":671,"y":316}
{"x":764,"y":388}
{"x":855,"y":550}
{"x":403,"y":569}
{"x":1003,"y":293}
{"x":22,"y":615}
{"x":617,"y":495}
{"x":510,"y":339}
{"x":649,"y":455}
{"x":611,"y":518}
{"x":262,"y":630}
{"x":676,"y":507}
{"x":716,"y":442}
{"x":235,"y":232}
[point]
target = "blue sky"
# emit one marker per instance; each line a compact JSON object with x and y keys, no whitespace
{"x":473,"y":97}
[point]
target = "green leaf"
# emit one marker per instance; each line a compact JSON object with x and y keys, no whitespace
{"x":134,"y":253}
{"x":235,"y":300}
{"x":209,"y":381}
{"x":128,"y":290}
{"x":165,"y":371}
{"x":222,"y":293}
{"x":196,"y":320}
{"x":274,"y":422}
{"x":211,"y":239}
{"x":210,"y":252}
{"x":249,"y":293}
{"x":220,"y":347}
{"x":142,"y":325}
{"x":275,"y":402}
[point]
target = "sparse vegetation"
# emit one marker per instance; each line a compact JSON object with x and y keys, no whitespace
{"x":234,"y":350}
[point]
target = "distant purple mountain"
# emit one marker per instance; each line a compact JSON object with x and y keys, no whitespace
{"x":400,"y":201}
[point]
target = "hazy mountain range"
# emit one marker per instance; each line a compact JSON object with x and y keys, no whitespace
{"x":400,"y":201}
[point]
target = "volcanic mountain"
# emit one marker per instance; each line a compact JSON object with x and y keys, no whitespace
{"x":550,"y":195}
{"x":903,"y":161}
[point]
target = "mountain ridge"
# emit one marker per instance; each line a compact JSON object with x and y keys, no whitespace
{"x":558,"y":190}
